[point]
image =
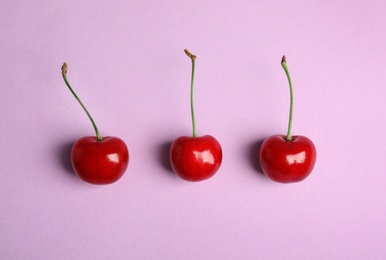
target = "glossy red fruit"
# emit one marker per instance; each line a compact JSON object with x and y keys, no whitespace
{"x":287,"y":158}
{"x":287,"y":161}
{"x":97,"y":160}
{"x":195,"y":158}
{"x":100,"y":162}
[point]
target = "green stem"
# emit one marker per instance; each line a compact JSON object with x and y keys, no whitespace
{"x":193,"y":58}
{"x":64,"y":74}
{"x":284,"y":65}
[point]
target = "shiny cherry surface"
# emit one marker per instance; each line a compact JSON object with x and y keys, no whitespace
{"x":100,"y":162}
{"x":287,"y":161}
{"x":195,"y":158}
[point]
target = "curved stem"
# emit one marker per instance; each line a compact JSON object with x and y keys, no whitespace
{"x":284,"y":65}
{"x":64,"y":74}
{"x":193,"y":58}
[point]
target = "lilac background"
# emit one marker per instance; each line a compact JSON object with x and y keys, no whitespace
{"x":126,"y":62}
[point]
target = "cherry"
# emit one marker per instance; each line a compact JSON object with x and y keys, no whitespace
{"x":287,"y":159}
{"x":195,"y":158}
{"x":97,"y":160}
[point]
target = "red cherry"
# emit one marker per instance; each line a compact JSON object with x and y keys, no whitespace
{"x":287,"y":158}
{"x":100,"y":162}
{"x":195,"y":158}
{"x":284,"y":161}
{"x":97,"y":160}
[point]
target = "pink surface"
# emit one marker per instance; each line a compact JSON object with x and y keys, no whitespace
{"x":126,"y":62}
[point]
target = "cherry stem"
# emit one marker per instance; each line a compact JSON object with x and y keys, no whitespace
{"x":284,"y":65}
{"x":193,"y":58}
{"x":64,"y":74}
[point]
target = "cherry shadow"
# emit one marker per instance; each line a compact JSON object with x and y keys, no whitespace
{"x":253,"y":151}
{"x":64,"y":157}
{"x":164,"y":157}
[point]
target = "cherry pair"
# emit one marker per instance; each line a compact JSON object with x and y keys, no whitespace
{"x":103,"y":160}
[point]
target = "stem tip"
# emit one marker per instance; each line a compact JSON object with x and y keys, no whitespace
{"x":283,"y":60}
{"x":64,"y":68}
{"x":190,"y":55}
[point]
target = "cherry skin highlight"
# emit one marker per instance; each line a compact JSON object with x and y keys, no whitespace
{"x":195,"y":158}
